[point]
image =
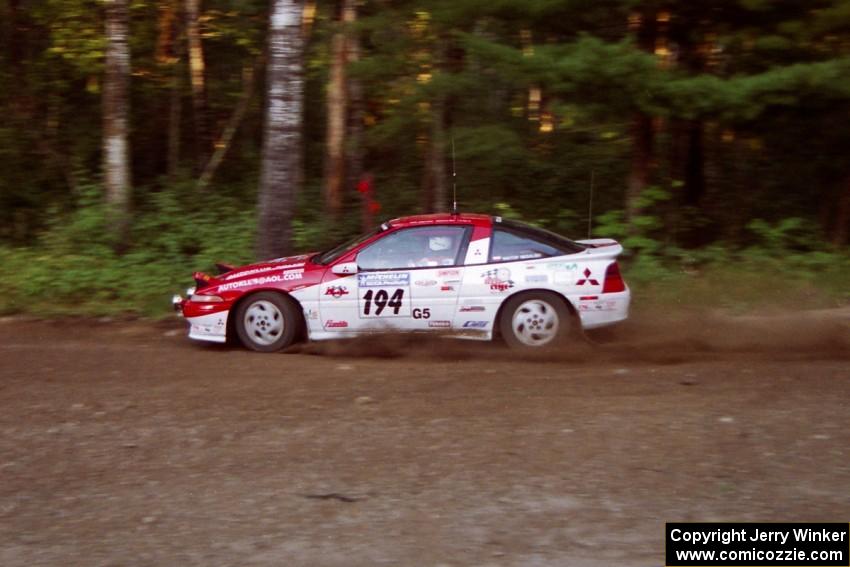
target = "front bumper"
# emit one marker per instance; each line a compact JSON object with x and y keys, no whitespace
{"x":207,"y":321}
{"x":212,"y":327}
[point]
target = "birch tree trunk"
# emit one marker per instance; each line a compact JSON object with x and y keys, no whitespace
{"x":280,"y":175}
{"x":197,"y":77}
{"x":116,"y":151}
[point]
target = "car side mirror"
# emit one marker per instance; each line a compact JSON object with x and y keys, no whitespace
{"x":345,"y":268}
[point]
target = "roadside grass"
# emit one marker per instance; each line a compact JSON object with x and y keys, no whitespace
{"x":742,"y":286}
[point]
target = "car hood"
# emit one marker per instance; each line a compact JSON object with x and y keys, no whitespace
{"x":263,"y":268}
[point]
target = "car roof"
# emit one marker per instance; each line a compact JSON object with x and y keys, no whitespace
{"x":442,"y":218}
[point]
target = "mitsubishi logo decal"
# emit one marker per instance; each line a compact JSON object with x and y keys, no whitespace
{"x":587,"y":278}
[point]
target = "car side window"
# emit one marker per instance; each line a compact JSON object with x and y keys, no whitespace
{"x":418,"y":247}
{"x":509,"y":246}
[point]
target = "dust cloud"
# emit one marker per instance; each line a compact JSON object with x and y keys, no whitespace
{"x":647,"y":337}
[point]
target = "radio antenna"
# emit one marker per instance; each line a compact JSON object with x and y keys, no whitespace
{"x":454,"y":179}
{"x":590,"y":204}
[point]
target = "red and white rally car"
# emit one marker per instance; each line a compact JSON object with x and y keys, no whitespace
{"x":469,"y":275}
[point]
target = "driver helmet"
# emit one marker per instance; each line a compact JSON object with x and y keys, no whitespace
{"x":439,"y":243}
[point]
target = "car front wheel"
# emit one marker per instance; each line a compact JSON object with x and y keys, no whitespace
{"x":535,"y":319}
{"x":266,"y":322}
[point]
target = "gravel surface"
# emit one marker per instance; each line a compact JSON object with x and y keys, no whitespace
{"x":122,"y":443}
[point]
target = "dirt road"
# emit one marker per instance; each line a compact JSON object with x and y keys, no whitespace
{"x":125,"y":444}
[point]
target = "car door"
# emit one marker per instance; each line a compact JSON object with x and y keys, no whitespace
{"x":514,"y":262}
{"x":406,"y":280}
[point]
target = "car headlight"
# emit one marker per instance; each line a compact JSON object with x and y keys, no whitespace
{"x":190,"y":291}
{"x":205,"y":298}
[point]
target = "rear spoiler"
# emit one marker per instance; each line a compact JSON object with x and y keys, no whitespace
{"x":224,"y":268}
{"x":202,"y":280}
{"x":602,"y":247}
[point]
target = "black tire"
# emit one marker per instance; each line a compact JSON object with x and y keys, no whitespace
{"x":536,"y":319}
{"x":267,"y":322}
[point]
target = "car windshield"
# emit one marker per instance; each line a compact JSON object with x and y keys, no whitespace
{"x":338,"y":251}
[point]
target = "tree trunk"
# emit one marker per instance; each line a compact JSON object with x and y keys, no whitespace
{"x":116,"y":153}
{"x":695,"y":164}
{"x":280,"y":176}
{"x":16,"y":38}
{"x":434,"y":194}
{"x":336,"y":121}
{"x":170,"y":51}
{"x":222,"y":145}
{"x":354,"y":126}
{"x":197,"y":75}
{"x":642,"y":129}
{"x":175,"y":112}
{"x":842,"y":218}
{"x":643,"y":134}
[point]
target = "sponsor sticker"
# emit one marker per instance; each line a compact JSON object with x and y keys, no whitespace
{"x":537,"y":278}
{"x":425,"y":283}
{"x":566,"y":266}
{"x":601,"y":305}
{"x":475,"y":324}
{"x":515,"y":257}
{"x":447,"y":288}
{"x":253,"y":281}
{"x":264,"y":269}
{"x":206,"y":329}
{"x":472,"y":308}
{"x":448,"y":274}
{"x":439,"y":324}
{"x":383,"y":280}
{"x":564,"y":273}
{"x":250,"y":272}
{"x":331,"y":324}
{"x":290,"y":275}
{"x":336,"y":291}
{"x":499,"y":280}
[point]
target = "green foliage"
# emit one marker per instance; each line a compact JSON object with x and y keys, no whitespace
{"x":74,"y":268}
{"x":783,"y":267}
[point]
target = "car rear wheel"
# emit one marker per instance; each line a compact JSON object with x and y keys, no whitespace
{"x":535,"y":319}
{"x":266,"y":322}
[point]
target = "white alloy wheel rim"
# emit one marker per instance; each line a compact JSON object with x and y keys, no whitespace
{"x":263,"y":322}
{"x":535,"y":323}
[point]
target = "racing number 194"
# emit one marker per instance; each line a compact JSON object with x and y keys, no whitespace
{"x":382,"y":301}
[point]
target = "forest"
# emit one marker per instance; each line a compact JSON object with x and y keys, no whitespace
{"x":143,"y":140}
